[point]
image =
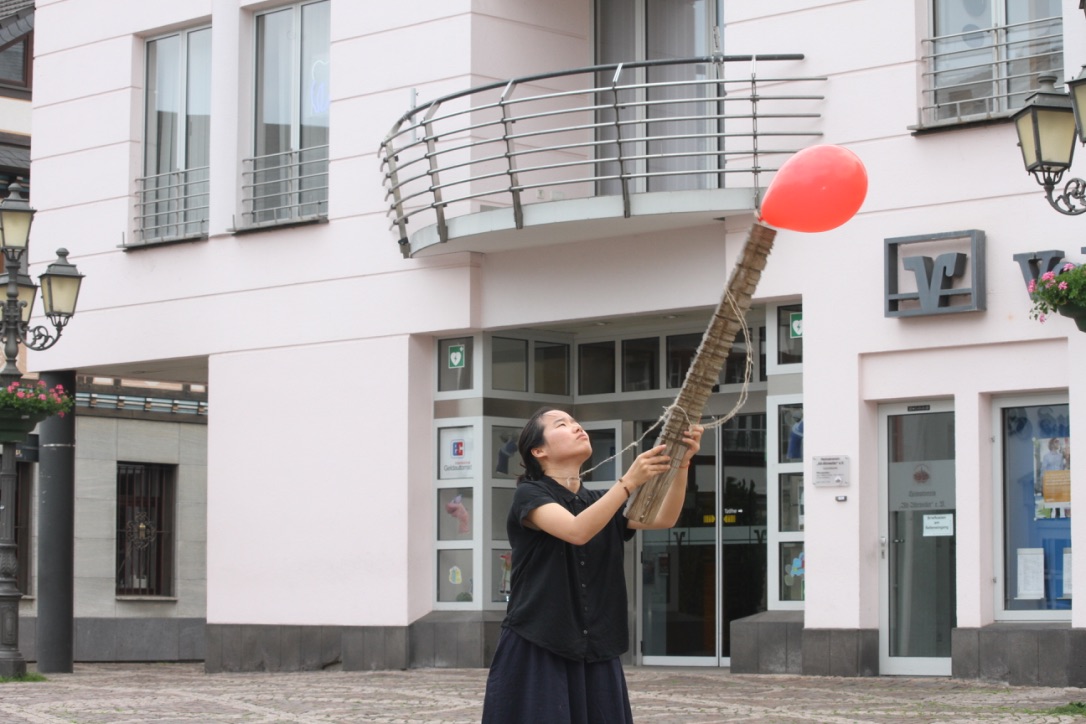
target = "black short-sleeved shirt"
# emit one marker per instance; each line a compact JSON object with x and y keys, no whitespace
{"x":571,"y":600}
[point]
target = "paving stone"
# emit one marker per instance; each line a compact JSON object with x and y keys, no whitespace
{"x":177,"y":693}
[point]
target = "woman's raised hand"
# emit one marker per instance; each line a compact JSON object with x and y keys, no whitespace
{"x":692,"y":440}
{"x":647,"y":466}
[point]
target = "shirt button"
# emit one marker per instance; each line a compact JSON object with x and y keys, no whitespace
{"x":585,"y":632}
{"x":583,"y":586}
{"x":582,"y":563}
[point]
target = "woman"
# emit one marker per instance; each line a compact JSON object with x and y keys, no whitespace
{"x":556,"y":661}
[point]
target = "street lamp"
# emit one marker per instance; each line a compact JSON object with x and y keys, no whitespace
{"x":60,"y":290}
{"x":1046,"y":134}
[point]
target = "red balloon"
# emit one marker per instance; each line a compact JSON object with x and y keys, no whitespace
{"x":818,"y":189}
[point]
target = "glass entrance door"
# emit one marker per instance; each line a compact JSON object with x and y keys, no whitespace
{"x":917,"y":539}
{"x":678,"y":574}
{"x":710,"y":569}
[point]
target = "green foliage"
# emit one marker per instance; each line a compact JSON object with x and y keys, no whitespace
{"x":24,"y":396}
{"x":1075,"y":707}
{"x":1055,"y":289}
{"x":28,"y":676}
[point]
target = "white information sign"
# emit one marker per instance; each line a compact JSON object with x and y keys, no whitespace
{"x":941,"y":524}
{"x":456,"y":450}
{"x":1031,"y":574}
{"x":831,"y":471}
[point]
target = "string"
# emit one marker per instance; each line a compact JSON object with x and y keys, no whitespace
{"x":748,"y":369}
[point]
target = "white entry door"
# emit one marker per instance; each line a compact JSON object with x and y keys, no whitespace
{"x":917,"y":538}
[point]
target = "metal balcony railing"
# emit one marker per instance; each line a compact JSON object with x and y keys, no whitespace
{"x":987,"y":73}
{"x":620,"y":129}
{"x":282,"y":188}
{"x":171,"y":206}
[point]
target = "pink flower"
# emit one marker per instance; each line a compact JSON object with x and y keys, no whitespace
{"x":20,"y":394}
{"x":1041,"y":318}
{"x":1048,"y":276}
{"x":1063,"y":285}
{"x":1068,"y":266}
{"x":1032,"y":286}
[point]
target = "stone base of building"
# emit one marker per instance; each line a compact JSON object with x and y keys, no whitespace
{"x":770,"y":642}
{"x":775,"y":642}
{"x":1033,"y":654}
{"x":125,"y":639}
{"x":441,"y":639}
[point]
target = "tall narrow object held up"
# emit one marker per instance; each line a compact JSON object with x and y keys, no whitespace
{"x":705,"y":370}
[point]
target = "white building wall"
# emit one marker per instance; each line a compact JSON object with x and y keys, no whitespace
{"x":315,"y":336}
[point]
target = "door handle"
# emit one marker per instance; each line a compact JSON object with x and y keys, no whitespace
{"x":882,"y":545}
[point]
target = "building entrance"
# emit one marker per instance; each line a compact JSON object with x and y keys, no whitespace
{"x":710,"y":569}
{"x":917,"y":539}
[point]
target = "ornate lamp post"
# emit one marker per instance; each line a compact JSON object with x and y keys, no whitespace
{"x":60,"y":290}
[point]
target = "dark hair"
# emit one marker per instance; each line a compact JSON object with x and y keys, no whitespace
{"x":531,"y":437}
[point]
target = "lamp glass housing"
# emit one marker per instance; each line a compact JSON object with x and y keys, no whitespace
{"x":1047,"y":137}
{"x":1077,"y":90}
{"x":59,"y":294}
{"x":15,"y":225}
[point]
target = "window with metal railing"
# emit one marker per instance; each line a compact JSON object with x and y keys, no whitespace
{"x":987,"y":72}
{"x":286,"y":179}
{"x":284,"y":187}
{"x":146,"y":502}
{"x":172,"y":197}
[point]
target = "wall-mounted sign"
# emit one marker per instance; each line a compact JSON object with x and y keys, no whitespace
{"x":940,"y":524}
{"x":831,"y":471}
{"x":456,"y":356}
{"x":455,"y":452}
{"x":795,"y":325}
{"x":947,"y":276}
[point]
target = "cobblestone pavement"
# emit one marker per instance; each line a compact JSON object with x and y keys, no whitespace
{"x":122,"y":693}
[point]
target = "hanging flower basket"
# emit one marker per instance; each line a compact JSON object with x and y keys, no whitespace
{"x":24,"y":404}
{"x":1062,"y":291}
{"x":15,"y":425}
{"x":1077,"y":312}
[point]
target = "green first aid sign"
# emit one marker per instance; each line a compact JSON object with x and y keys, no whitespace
{"x":795,"y":325}
{"x":456,"y":356}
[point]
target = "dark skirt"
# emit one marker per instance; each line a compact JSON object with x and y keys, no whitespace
{"x":530,"y":685}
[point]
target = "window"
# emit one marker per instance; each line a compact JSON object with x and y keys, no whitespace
{"x":173,"y":193}
{"x":15,"y":68}
{"x":640,"y":364}
{"x":790,"y":334}
{"x":551,"y":368}
{"x":1036,"y":457}
{"x":986,"y":55}
{"x":454,"y":364}
{"x":145,"y":529}
{"x":682,"y":142}
{"x":287,"y":179}
{"x":596,"y":368}
{"x":509,"y":364}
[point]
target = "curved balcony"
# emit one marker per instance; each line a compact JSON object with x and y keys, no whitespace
{"x":575,"y":154}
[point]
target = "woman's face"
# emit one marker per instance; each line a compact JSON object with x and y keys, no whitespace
{"x":564,"y":438}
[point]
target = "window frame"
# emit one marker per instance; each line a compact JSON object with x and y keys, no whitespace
{"x":999,"y":562}
{"x":164,"y":476}
{"x":179,"y":154}
{"x":23,"y":88}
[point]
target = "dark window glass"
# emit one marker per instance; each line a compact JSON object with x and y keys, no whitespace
{"x":509,"y":364}
{"x":640,"y":364}
{"x":551,"y":368}
{"x":596,"y":368}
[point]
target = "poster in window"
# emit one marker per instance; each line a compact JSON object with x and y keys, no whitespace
{"x":455,"y":450}
{"x":1052,"y":477}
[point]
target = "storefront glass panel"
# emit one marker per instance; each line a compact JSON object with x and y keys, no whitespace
{"x":1036,"y":508}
